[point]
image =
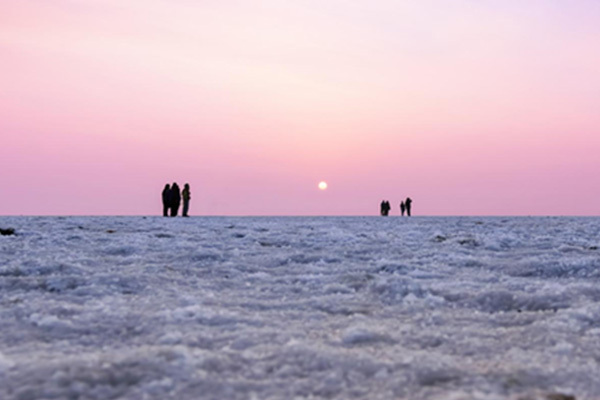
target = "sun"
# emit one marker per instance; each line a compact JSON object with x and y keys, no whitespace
{"x":323,"y":185}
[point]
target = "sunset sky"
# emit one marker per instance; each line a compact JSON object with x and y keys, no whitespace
{"x":468,"y":107}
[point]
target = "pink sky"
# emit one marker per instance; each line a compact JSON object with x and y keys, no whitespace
{"x":470,"y":108}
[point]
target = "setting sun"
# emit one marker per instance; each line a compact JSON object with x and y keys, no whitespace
{"x":323,"y":185}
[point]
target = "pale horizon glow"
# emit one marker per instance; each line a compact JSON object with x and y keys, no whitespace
{"x":469,"y":108}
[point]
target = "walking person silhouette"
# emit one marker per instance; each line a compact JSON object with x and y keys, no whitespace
{"x":408,"y":204}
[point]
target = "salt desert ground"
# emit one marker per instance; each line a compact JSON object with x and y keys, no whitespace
{"x":300,"y":308}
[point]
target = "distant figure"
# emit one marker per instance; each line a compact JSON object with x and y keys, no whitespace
{"x":385,"y":208}
{"x":382,"y":208}
{"x":166,"y":197}
{"x":408,"y":203}
{"x":185,"y":194}
{"x":402,"y":208}
{"x":175,"y":199}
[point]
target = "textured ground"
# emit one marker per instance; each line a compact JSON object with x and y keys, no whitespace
{"x":306,"y":308}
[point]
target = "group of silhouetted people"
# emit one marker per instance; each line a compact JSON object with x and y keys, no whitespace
{"x":405,"y":207}
{"x":172,"y":197}
{"x":385,"y":208}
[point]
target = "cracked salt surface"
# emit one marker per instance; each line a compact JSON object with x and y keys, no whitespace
{"x":284,"y":308}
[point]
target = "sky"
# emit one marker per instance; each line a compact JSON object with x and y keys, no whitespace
{"x":468,"y":107}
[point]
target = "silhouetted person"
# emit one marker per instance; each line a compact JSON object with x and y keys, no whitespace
{"x":408,"y":203}
{"x":382,"y":208}
{"x":185,"y":195}
{"x":385,"y":208}
{"x":166,"y":197}
{"x":402,"y":208}
{"x":175,"y":199}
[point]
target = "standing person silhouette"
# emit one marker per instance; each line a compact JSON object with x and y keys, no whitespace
{"x":408,"y":203}
{"x":185,"y":195}
{"x":166,"y":197}
{"x":175,"y":199}
{"x":385,"y":208}
{"x":402,"y":208}
{"x":382,"y":208}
